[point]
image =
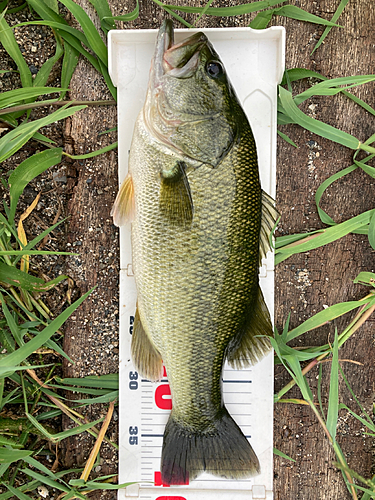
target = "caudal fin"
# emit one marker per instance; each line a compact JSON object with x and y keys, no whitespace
{"x":222,"y":451}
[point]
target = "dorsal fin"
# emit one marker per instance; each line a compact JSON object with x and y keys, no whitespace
{"x":269,"y":218}
{"x":175,"y":197}
{"x":124,"y":206}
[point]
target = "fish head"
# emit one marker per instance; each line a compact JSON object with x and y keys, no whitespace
{"x":191,"y":106}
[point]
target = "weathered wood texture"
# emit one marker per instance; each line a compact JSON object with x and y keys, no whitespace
{"x":304,"y":284}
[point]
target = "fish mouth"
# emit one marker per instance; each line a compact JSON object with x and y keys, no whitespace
{"x":180,"y":60}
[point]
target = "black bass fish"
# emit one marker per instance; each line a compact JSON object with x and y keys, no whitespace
{"x":200,"y":225}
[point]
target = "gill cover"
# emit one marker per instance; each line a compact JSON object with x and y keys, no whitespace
{"x":190,"y":106}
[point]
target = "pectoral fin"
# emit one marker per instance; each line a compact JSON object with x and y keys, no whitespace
{"x":175,"y":197}
{"x":146,"y":357}
{"x":124,"y":206}
{"x":250,"y":344}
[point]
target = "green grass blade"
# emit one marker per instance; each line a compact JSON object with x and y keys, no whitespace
{"x":104,"y":11}
{"x":18,"y":356}
{"x":42,"y":468}
{"x":70,"y":61}
{"x":9,"y":43}
{"x":92,"y":391}
{"x":322,"y":317}
{"x":209,"y":2}
{"x":301,"y":15}
{"x":287,"y":139}
{"x":125,"y":17}
{"x":76,"y":430}
{"x":72,"y":36}
{"x":52,"y":4}
{"x":366,"y":168}
{"x":38,"y":238}
{"x":75,"y":43}
{"x":93,"y":485}
{"x":333,"y":401}
{"x":324,"y":217}
{"x":7,"y":456}
{"x":371,"y":232}
{"x":15,"y":96}
{"x":25,"y":487}
{"x":110,"y":381}
{"x":9,"y":442}
{"x":5,"y":370}
{"x":44,"y":72}
{"x":49,"y":414}
{"x":15,"y":277}
{"x":261,"y":21}
{"x":107,"y":398}
{"x":6,"y":340}
{"x":367,"y":423}
{"x":94,"y":153}
{"x":335,"y":17}
{"x":88,"y":27}
{"x":17,"y":493}
{"x":325,"y":236}
{"x":237,"y":10}
{"x":45,"y":11}
{"x":108,"y":81}
{"x":282,"y":455}
{"x":283,"y":119}
{"x":320,"y":378}
{"x":296,"y":74}
{"x":12,"y":325}
{"x":46,"y":480}
{"x":61,"y":27}
{"x":316,"y":126}
{"x":332,"y":86}
{"x":365,"y":278}
{"x":15,"y":139}
{"x":27,"y":171}
{"x":33,"y":252}
{"x":40,"y":428}
{"x":359,"y":101}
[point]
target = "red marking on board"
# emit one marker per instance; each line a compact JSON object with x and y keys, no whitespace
{"x":171,"y":498}
{"x":163,"y":398}
{"x":158,"y":481}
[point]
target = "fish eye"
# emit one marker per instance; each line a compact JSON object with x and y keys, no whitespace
{"x":214,"y":69}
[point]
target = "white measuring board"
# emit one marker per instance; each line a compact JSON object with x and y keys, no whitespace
{"x":254,"y":61}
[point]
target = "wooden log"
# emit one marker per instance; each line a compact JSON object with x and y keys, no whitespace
{"x":304,"y":283}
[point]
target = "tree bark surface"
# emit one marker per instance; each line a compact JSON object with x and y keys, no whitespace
{"x":305,"y":284}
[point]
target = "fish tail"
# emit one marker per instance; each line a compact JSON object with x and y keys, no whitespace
{"x":222,"y":451}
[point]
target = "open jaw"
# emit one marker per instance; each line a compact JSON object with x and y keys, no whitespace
{"x":179,"y":60}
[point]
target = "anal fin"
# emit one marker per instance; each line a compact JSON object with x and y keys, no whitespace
{"x":146,"y":357}
{"x":175,"y":197}
{"x":250,"y":344}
